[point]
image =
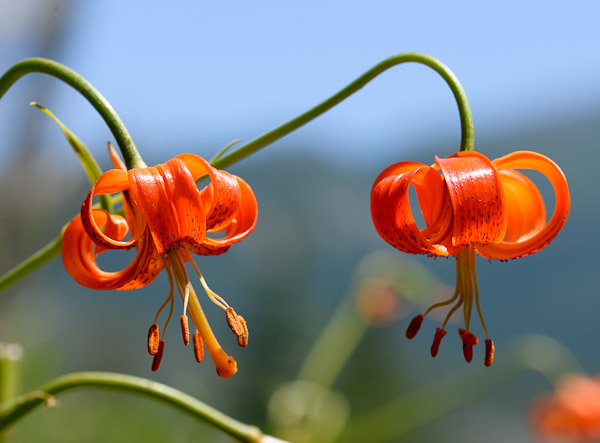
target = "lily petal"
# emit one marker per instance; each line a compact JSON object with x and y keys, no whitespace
{"x":238,"y":227}
{"x":79,"y":256}
{"x":514,"y":249}
{"x":477,"y":198}
{"x":112,"y":181}
{"x":391,"y":211}
{"x":525,"y":209}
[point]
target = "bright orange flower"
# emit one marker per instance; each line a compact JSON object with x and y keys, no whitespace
{"x":167,"y":218}
{"x":572,"y":413}
{"x":469,"y":205}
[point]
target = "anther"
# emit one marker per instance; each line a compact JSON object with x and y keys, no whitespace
{"x":414,"y":326}
{"x":489,"y":352}
{"x":242,"y":339}
{"x":185,"y":330}
{"x":469,"y":340}
{"x":158,"y":356}
{"x":437,"y":339}
{"x":238,"y":326}
{"x":198,"y":347}
{"x":153,"y":339}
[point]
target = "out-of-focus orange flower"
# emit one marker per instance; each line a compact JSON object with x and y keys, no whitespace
{"x":571,"y":413}
{"x":470,"y":205}
{"x":168,"y":218}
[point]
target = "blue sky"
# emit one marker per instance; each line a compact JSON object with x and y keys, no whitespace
{"x":208,"y":73}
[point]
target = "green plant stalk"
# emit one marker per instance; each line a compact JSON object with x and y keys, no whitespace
{"x":13,"y":410}
{"x":45,"y":66}
{"x":441,"y":397}
{"x":335,"y":345}
{"x":466,"y":119}
{"x":10,"y":362}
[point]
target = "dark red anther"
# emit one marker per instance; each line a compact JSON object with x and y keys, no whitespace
{"x":158,"y":356}
{"x":489,"y":352}
{"x":437,"y":339}
{"x":185,"y":330}
{"x":414,"y":326}
{"x":469,"y":340}
{"x":198,"y":347}
{"x":153,"y":339}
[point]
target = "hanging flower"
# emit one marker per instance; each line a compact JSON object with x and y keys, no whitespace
{"x":572,"y":412}
{"x":168,"y":219}
{"x":470,"y":205}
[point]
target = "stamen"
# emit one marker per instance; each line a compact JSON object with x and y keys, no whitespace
{"x":437,"y":340}
{"x":489,"y":352}
{"x":185,"y":330}
{"x":238,"y":326}
{"x":198,"y":347}
{"x":158,"y":356}
{"x":153,"y":339}
{"x":469,"y":340}
{"x":215,"y":298}
{"x":169,"y":298}
{"x":414,"y":326}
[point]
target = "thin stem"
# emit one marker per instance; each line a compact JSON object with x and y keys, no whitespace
{"x":85,"y":88}
{"x":429,"y":403}
{"x":10,"y":361}
{"x":466,"y":119}
{"x":335,"y":345}
{"x":12,"y":411}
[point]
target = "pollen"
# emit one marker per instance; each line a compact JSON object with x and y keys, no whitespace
{"x":158,"y":356}
{"x":153,"y":339}
{"x":185,"y":330}
{"x":198,"y":347}
{"x":437,"y":340}
{"x":489,"y":352}
{"x":238,"y":326}
{"x":414,"y":326}
{"x":469,"y":340}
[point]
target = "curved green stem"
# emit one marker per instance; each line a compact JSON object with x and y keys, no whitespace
{"x":343,"y":334}
{"x":13,"y":410}
{"x":466,"y":119}
{"x":130,"y":153}
{"x":530,"y":353}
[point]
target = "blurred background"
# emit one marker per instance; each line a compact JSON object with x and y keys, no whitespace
{"x":192,"y":77}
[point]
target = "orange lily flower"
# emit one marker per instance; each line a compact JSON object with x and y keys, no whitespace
{"x":470,"y":205}
{"x":572,"y":413}
{"x":167,"y":218}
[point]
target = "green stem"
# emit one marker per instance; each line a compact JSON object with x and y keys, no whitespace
{"x":13,"y":410}
{"x":33,"y":262}
{"x":10,"y":359}
{"x":130,"y":153}
{"x":391,"y":421}
{"x":335,"y":345}
{"x":466,"y":119}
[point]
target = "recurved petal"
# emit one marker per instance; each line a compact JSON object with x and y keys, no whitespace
{"x":477,"y":198}
{"x":110,"y":182}
{"x":222,"y":198}
{"x":238,"y":228}
{"x":391,"y":211}
{"x":525,"y":209}
{"x":532,"y":160}
{"x":79,"y":258}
